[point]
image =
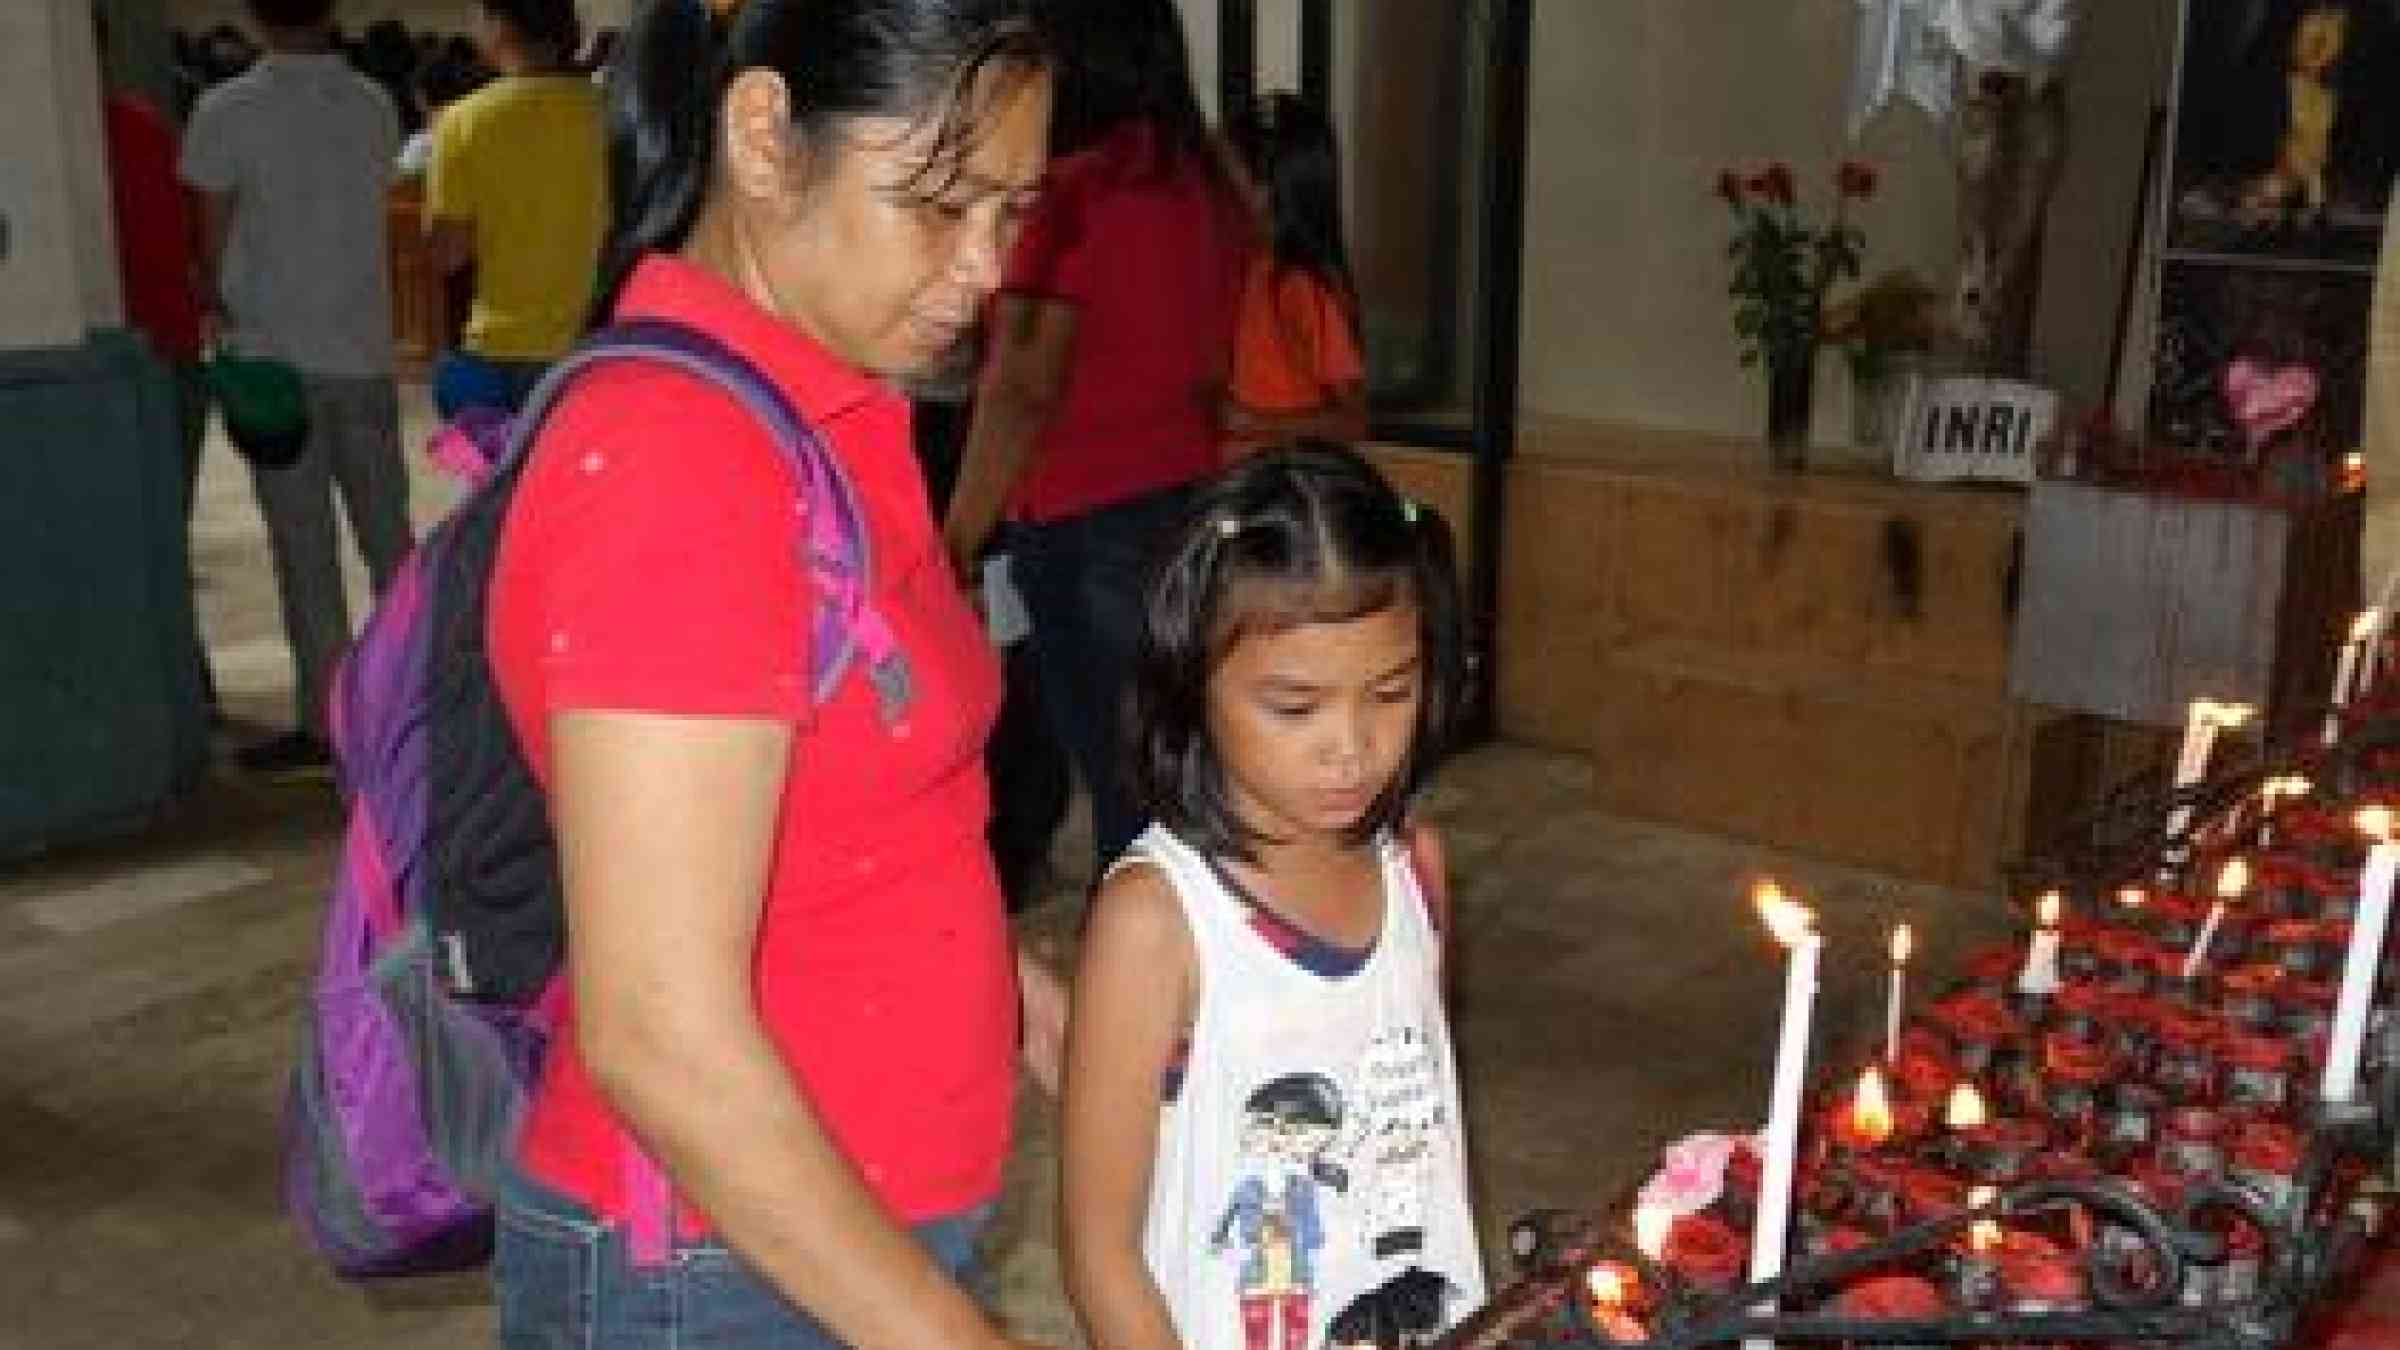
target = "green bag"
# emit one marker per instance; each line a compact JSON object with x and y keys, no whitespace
{"x":264,"y":404}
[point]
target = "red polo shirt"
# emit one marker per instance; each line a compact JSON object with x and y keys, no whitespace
{"x":158,"y":235}
{"x":648,"y":564}
{"x":1150,"y":258}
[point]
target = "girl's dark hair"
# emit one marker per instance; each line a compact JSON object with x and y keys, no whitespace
{"x":1125,"y":61}
{"x":1308,"y":533}
{"x":1286,"y":145}
{"x":913,"y":59}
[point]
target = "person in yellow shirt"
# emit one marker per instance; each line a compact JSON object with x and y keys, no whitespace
{"x":517,"y":188}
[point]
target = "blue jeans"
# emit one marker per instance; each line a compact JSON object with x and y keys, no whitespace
{"x":1085,"y":580}
{"x":567,"y":1282}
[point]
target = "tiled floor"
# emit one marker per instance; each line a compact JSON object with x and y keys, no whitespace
{"x":1613,"y":992}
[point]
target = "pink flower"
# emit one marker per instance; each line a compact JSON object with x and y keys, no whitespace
{"x":1691,"y":1173}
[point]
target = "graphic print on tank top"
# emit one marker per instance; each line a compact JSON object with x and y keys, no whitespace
{"x":1309,"y":1191}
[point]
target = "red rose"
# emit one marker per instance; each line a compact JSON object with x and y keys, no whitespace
{"x":1729,"y":187}
{"x":1780,"y":188}
{"x":1855,"y":178}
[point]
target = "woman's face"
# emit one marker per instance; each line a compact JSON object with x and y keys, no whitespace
{"x":885,"y":262}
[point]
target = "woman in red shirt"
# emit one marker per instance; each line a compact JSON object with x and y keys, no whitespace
{"x":779,"y":1102}
{"x":1098,"y":406}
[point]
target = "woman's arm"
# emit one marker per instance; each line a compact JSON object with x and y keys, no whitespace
{"x":1133,"y":998}
{"x":1032,"y":351}
{"x":666,"y":825}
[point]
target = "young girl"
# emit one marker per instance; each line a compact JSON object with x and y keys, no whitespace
{"x":1297,"y":370}
{"x":1262,"y":1136}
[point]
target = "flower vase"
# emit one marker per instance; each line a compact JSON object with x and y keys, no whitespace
{"x":1791,"y":392}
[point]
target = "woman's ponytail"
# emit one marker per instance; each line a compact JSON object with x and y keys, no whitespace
{"x":661,"y":98}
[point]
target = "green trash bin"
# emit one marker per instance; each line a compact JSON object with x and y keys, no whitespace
{"x":101,"y":718}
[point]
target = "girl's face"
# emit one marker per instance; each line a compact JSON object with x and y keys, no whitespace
{"x":1311,"y":722}
{"x":858,"y":254}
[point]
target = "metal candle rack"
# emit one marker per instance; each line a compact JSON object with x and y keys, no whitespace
{"x":2137,"y":1284}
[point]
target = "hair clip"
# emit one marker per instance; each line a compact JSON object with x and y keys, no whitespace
{"x":1228,"y":526}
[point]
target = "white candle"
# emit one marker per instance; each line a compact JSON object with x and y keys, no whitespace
{"x":2362,"y":636}
{"x":2199,"y":742}
{"x":2272,"y":794}
{"x":1793,"y":926}
{"x":1903,"y":941}
{"x":2365,"y":958}
{"x":2231,"y":882}
{"x":2040,"y":975}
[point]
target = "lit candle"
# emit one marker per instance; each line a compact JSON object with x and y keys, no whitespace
{"x":1793,"y":926}
{"x":1611,"y":1285}
{"x":2362,"y":964}
{"x":1984,"y":1234}
{"x":1871,"y":1109}
{"x":1978,"y":1269}
{"x":2232,"y":880}
{"x":1965,"y":1109}
{"x":2040,"y":975}
{"x":2132,"y":897}
{"x":1903,"y":942}
{"x":2362,"y":635}
{"x":2200,"y":728}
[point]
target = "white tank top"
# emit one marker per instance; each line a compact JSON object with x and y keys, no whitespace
{"x":1310,"y":1187}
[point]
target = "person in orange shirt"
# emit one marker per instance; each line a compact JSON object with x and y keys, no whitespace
{"x":1297,"y":370}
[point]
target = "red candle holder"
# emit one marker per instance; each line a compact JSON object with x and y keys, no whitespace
{"x":2266,"y":1155}
{"x":1924,"y":1071}
{"x":2082,"y":1010}
{"x":2078,"y":947}
{"x":2305,"y":1009}
{"x":2247,"y":994}
{"x":2132,"y":1112}
{"x":2038,"y":1275}
{"x":2000,"y":1151}
{"x":1892,"y":1298}
{"x":1978,"y":1024}
{"x":2303,"y":947}
{"x":1993,"y":970}
{"x":2193,"y":1142}
{"x":1876,"y":1184}
{"x":2258,"y":1071}
{"x":2185,"y":1067}
{"x":2176,"y":920}
{"x":2074,"y":1072}
{"x":1928,"y":1193}
{"x":2124,"y":961}
{"x":2132,"y":1030}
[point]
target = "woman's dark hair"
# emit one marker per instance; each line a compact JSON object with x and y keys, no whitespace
{"x":1308,"y":533}
{"x":913,"y":59}
{"x":549,"y":29}
{"x":1286,"y":145}
{"x":1124,"y":61}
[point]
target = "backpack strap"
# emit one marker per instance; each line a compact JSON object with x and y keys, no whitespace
{"x":836,"y":550}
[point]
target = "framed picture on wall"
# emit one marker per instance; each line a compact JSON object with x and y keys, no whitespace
{"x":2279,"y":320}
{"x":2287,"y":128}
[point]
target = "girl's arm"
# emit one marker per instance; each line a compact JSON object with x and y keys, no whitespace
{"x":1134,"y":994}
{"x":665,"y":826}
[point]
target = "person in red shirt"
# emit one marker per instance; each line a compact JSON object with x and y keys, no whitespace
{"x":158,"y":262}
{"x":788,"y":1055}
{"x":1108,"y":350}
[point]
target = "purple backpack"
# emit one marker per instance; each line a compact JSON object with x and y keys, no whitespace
{"x":439,"y":979}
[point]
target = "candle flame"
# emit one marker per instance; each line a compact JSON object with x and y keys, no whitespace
{"x":2375,"y":822}
{"x":2233,"y":878}
{"x":1789,"y":920}
{"x":2285,"y":788}
{"x":1904,"y":941}
{"x":1871,"y":1109}
{"x":2132,"y":897}
{"x":2364,"y":626}
{"x":2046,"y":909}
{"x":1607,"y":1285}
{"x":1965,"y":1110}
{"x":1651,"y":1224}
{"x":1984,"y":1234}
